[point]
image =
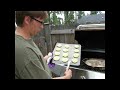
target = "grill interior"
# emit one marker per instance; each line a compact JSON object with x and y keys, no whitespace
{"x":91,"y":39}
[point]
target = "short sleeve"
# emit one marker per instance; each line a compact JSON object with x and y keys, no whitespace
{"x":33,"y":71}
{"x":34,"y":67}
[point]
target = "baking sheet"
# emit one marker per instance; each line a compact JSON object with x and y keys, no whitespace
{"x":70,"y":54}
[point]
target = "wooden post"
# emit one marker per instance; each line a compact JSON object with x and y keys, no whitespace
{"x":40,"y":42}
{"x":48,"y":37}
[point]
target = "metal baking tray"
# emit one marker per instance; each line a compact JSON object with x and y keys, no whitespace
{"x":70,"y":53}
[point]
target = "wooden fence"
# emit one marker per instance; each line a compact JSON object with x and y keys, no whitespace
{"x":62,"y":36}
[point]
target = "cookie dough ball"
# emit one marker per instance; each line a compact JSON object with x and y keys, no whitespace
{"x":64,"y":60}
{"x":57,"y":53}
{"x":67,"y":46}
{"x":59,"y":45}
{"x":65,"y":54}
{"x":76,"y":55}
{"x":56,"y":58}
{"x":76,"y":46}
{"x":74,"y":60}
{"x":65,"y":50}
{"x":76,"y":50}
{"x":58,"y":49}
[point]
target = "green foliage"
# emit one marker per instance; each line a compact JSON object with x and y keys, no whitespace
{"x":93,"y":12}
{"x":80,"y":14}
{"x":68,"y":17}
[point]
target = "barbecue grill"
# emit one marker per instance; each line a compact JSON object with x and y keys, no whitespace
{"x":92,"y":44}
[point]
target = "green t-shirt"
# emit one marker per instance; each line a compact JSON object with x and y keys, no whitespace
{"x":29,"y":62}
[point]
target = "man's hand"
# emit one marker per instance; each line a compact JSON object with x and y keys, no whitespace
{"x":68,"y":74}
{"x":47,"y":56}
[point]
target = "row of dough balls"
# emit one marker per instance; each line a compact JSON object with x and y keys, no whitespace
{"x":74,"y":60}
{"x":66,"y":50}
{"x":67,"y":46}
{"x":76,"y":55}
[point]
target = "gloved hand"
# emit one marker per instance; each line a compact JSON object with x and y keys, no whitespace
{"x":48,"y":57}
{"x":50,"y":54}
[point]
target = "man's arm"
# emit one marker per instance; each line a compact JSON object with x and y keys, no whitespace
{"x":62,"y":77}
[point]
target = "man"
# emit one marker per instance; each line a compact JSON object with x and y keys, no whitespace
{"x":29,"y":61}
